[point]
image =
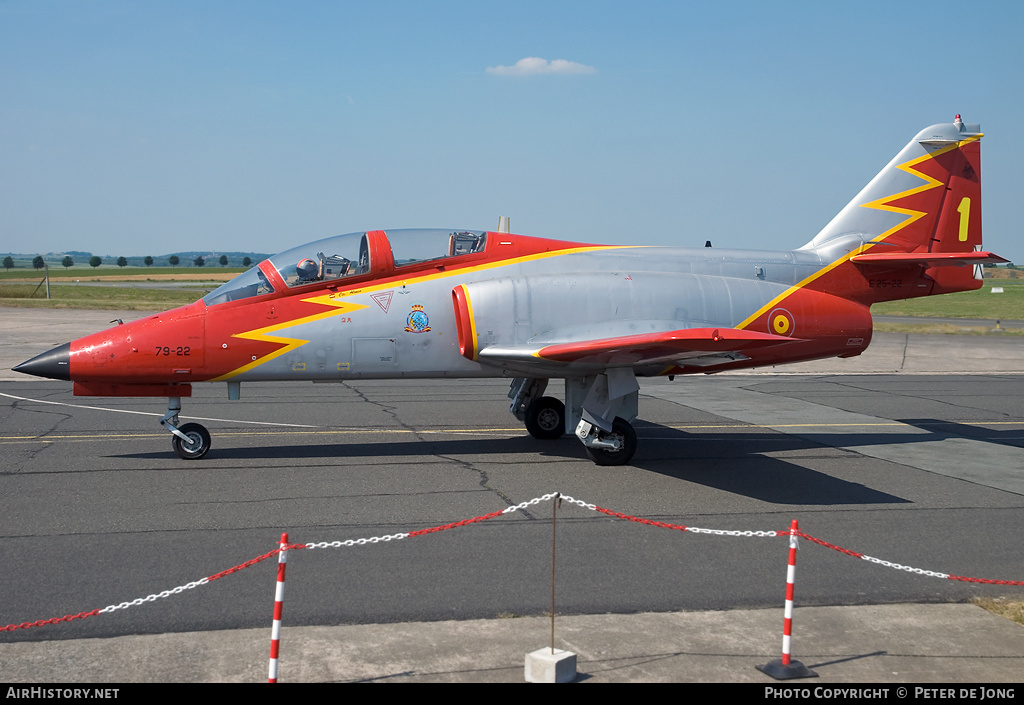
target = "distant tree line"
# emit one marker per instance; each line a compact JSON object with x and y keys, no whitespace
{"x":68,"y":260}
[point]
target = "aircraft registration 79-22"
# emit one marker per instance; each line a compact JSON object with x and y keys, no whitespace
{"x":466,"y":303}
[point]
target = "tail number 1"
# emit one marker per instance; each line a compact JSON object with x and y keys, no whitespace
{"x":964,"y":209}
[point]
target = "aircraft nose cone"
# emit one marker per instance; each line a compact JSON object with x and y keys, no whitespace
{"x":55,"y":364}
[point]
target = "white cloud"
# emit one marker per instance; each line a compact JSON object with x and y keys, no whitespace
{"x":532,"y":65}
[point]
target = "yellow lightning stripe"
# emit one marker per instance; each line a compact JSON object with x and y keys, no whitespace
{"x":913,"y":216}
{"x":878,"y":204}
{"x":335,"y":299}
{"x":422,"y":276}
{"x":266,"y":334}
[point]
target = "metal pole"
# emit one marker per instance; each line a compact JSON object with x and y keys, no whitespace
{"x":786,"y":668}
{"x":275,"y":632}
{"x":787,"y":626}
{"x":554,"y":515}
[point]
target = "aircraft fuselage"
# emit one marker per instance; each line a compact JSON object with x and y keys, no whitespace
{"x":404,"y":323}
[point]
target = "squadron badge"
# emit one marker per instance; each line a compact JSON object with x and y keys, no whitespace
{"x":417,"y":321}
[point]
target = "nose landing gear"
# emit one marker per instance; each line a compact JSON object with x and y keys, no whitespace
{"x":191,"y":441}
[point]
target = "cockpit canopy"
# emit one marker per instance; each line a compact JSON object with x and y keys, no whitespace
{"x":344,"y":256}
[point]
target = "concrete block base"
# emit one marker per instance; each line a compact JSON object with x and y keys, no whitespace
{"x":542,"y":666}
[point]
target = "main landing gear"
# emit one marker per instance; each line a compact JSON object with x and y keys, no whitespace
{"x":615,"y":447}
{"x":544,"y":416}
{"x":598,"y":411}
{"x":191,"y":441}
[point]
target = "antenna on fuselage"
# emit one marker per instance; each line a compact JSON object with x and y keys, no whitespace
{"x":503,"y":224}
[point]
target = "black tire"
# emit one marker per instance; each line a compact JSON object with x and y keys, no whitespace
{"x":621,"y":428}
{"x":199,"y":442}
{"x":545,"y":418}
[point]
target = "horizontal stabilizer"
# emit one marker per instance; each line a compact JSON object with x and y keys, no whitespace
{"x":930,"y":259}
{"x":631,"y":350}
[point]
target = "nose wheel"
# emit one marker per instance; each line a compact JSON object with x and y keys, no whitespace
{"x":195,"y":444}
{"x":191,"y":441}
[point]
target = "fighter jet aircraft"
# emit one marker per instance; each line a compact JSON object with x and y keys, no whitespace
{"x":471,"y":303}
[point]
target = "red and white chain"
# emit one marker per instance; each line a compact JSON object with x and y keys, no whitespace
{"x":907,"y":568}
{"x":721,"y":532}
{"x":518,"y":507}
{"x":153,"y":598}
{"x":353,"y":542}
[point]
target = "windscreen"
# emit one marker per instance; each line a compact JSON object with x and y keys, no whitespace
{"x":331,"y":258}
{"x":250,"y":283}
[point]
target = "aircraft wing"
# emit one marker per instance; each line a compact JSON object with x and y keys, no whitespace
{"x":633,"y":350}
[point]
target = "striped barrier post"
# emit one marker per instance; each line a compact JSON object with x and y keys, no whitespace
{"x":275,"y":631}
{"x":785,"y":668}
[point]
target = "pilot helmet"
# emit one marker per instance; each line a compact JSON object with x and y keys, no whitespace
{"x":306,"y":269}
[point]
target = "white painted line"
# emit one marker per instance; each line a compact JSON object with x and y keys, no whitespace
{"x":152,"y":413}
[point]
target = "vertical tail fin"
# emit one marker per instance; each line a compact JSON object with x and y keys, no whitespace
{"x":919,"y":216}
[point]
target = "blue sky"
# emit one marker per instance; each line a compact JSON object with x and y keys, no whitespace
{"x":134,"y":128}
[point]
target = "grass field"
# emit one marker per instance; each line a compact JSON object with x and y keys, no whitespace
{"x":69,"y":288}
{"x":126,"y":297}
{"x":966,"y":304}
{"x":1011,"y":608}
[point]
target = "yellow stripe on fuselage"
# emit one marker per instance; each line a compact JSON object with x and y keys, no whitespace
{"x":334,"y":299}
{"x":471,"y":269}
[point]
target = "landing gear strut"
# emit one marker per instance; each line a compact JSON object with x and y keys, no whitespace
{"x":191,"y":441}
{"x":602,"y":407}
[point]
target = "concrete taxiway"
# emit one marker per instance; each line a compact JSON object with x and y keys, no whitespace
{"x":879,"y":644}
{"x":890,"y":454}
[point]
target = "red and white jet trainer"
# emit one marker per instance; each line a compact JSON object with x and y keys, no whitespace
{"x":466,"y":303}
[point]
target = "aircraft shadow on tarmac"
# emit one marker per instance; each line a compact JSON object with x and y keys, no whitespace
{"x":1013,"y":437}
{"x":737,"y":463}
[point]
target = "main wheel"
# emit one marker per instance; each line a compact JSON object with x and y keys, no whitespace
{"x":197,"y":445}
{"x":545,"y":418}
{"x":623,"y":429}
